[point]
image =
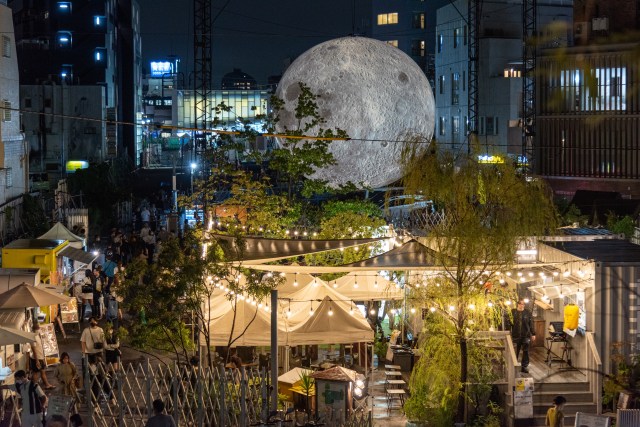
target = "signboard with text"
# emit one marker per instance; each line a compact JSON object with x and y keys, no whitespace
{"x":523,"y":398}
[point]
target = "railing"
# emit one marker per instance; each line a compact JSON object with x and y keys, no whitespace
{"x":512,"y":366}
{"x":594,"y":371}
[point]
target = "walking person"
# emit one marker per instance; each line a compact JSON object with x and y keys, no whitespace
{"x":555,"y":414}
{"x":522,"y":332}
{"x":112,"y":347}
{"x":92,"y":340}
{"x":159,"y":419}
{"x":37,"y":363}
{"x":67,"y":375}
{"x":34,"y":400}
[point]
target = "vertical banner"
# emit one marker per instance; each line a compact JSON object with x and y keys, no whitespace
{"x":523,"y":398}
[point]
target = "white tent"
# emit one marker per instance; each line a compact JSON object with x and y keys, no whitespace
{"x":294,"y":282}
{"x":60,"y":232}
{"x":295,"y":309}
{"x":251,"y":324}
{"x":367,"y":287}
{"x":331,"y":324}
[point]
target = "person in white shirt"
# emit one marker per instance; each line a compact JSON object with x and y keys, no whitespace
{"x":37,"y":363}
{"x":92,"y":340}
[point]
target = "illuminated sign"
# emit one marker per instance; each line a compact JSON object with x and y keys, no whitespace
{"x":158,"y":69}
{"x":74,"y":165}
{"x":490,"y":159}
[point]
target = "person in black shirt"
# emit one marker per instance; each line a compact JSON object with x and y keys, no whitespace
{"x":522,"y":332}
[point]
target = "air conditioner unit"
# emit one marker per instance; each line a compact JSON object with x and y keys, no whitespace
{"x":581,"y":32}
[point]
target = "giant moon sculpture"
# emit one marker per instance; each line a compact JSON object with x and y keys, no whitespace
{"x":373,"y":91}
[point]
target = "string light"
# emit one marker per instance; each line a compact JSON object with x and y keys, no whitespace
{"x":330,"y":311}
{"x":433,"y":309}
{"x":413,"y":310}
{"x":311,"y":310}
{"x":355,"y":283}
{"x":295,"y":281}
{"x":372,"y":311}
{"x":351,"y":309}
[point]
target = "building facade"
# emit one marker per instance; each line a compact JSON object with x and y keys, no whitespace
{"x":408,"y":25}
{"x":588,"y":118}
{"x":85,"y":43}
{"x":499,"y":72}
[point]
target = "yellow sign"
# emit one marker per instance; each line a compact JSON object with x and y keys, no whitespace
{"x":74,"y":165}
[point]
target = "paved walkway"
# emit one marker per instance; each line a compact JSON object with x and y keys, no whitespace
{"x":382,"y":414}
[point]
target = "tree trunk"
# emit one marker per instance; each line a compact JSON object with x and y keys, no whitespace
{"x":460,"y":413}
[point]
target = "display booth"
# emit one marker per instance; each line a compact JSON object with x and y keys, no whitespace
{"x":334,"y":394}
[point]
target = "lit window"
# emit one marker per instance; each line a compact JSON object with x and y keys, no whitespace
{"x":393,"y":43}
{"x":456,"y":37}
{"x":67,"y":72}
{"x":512,"y":72}
{"x":100,"y":54}
{"x":455,"y":126}
{"x":418,"y":21}
{"x":443,"y":126}
{"x":455,"y":88}
{"x":388,"y":18}
{"x":98,"y":21}
{"x":8,"y":177}
{"x":64,"y":7}
{"x":63,"y":39}
{"x":6,"y":112}
{"x":440,"y":42}
{"x":418,"y":48}
{"x":6,"y":46}
{"x":441,"y":84}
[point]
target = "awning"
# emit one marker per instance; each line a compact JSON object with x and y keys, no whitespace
{"x":78,"y":255}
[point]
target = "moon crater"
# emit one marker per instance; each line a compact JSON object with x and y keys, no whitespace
{"x":371,"y":90}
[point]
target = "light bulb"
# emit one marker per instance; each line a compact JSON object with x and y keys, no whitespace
{"x":490,"y":304}
{"x":289,"y":313}
{"x":433,"y":309}
{"x":526,"y":300}
{"x":295,"y":284}
{"x":413,"y":310}
{"x":372,"y":311}
{"x":311,"y":312}
{"x":472,"y":306}
{"x":451,"y":308}
{"x":507,"y":302}
{"x":351,"y":311}
{"x":330,"y":312}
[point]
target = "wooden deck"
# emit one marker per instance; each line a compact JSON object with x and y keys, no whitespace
{"x":557,"y":372}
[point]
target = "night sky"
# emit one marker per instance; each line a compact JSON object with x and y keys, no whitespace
{"x":253,"y":35}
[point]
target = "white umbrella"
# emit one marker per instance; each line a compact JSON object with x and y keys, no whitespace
{"x":9,"y":336}
{"x":27,"y":296}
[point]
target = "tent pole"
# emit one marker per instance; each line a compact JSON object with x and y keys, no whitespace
{"x":274,"y":350}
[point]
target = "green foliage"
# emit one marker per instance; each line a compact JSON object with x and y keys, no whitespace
{"x":435,"y":379}
{"x":298,"y":157}
{"x":625,"y":225}
{"x":347,"y":220}
{"x":487,"y":211}
{"x":34,"y":219}
{"x":571,"y":215}
{"x":177,"y":290}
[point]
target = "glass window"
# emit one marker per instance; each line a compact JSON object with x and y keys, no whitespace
{"x":63,"y":39}
{"x":440,"y":42}
{"x":64,"y":7}
{"x":98,"y":21}
{"x":455,"y":126}
{"x":418,"y":48}
{"x":441,"y":84}
{"x":6,"y":112}
{"x":388,"y":18}
{"x":489,"y":126}
{"x":67,"y":72}
{"x":8,"y":177}
{"x":443,"y":125}
{"x":456,"y":37}
{"x":455,"y":88}
{"x":100,"y":55}
{"x":6,"y":46}
{"x":418,"y":21}
{"x":393,"y":43}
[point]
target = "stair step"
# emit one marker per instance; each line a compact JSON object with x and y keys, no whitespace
{"x":569,"y":408}
{"x":560,"y":388}
{"x":546,"y":397}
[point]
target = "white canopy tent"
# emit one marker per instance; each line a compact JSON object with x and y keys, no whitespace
{"x":367,"y":287}
{"x":294,"y":282}
{"x":295,"y":308}
{"x":60,"y":232}
{"x":331,"y":324}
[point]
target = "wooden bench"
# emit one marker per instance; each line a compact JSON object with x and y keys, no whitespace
{"x":393,"y":367}
{"x":394,"y":384}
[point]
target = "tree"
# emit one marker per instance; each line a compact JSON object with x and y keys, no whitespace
{"x":298,"y":157}
{"x":178,"y":290}
{"x":488,"y":210}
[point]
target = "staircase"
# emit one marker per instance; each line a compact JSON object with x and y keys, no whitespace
{"x":578,"y":395}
